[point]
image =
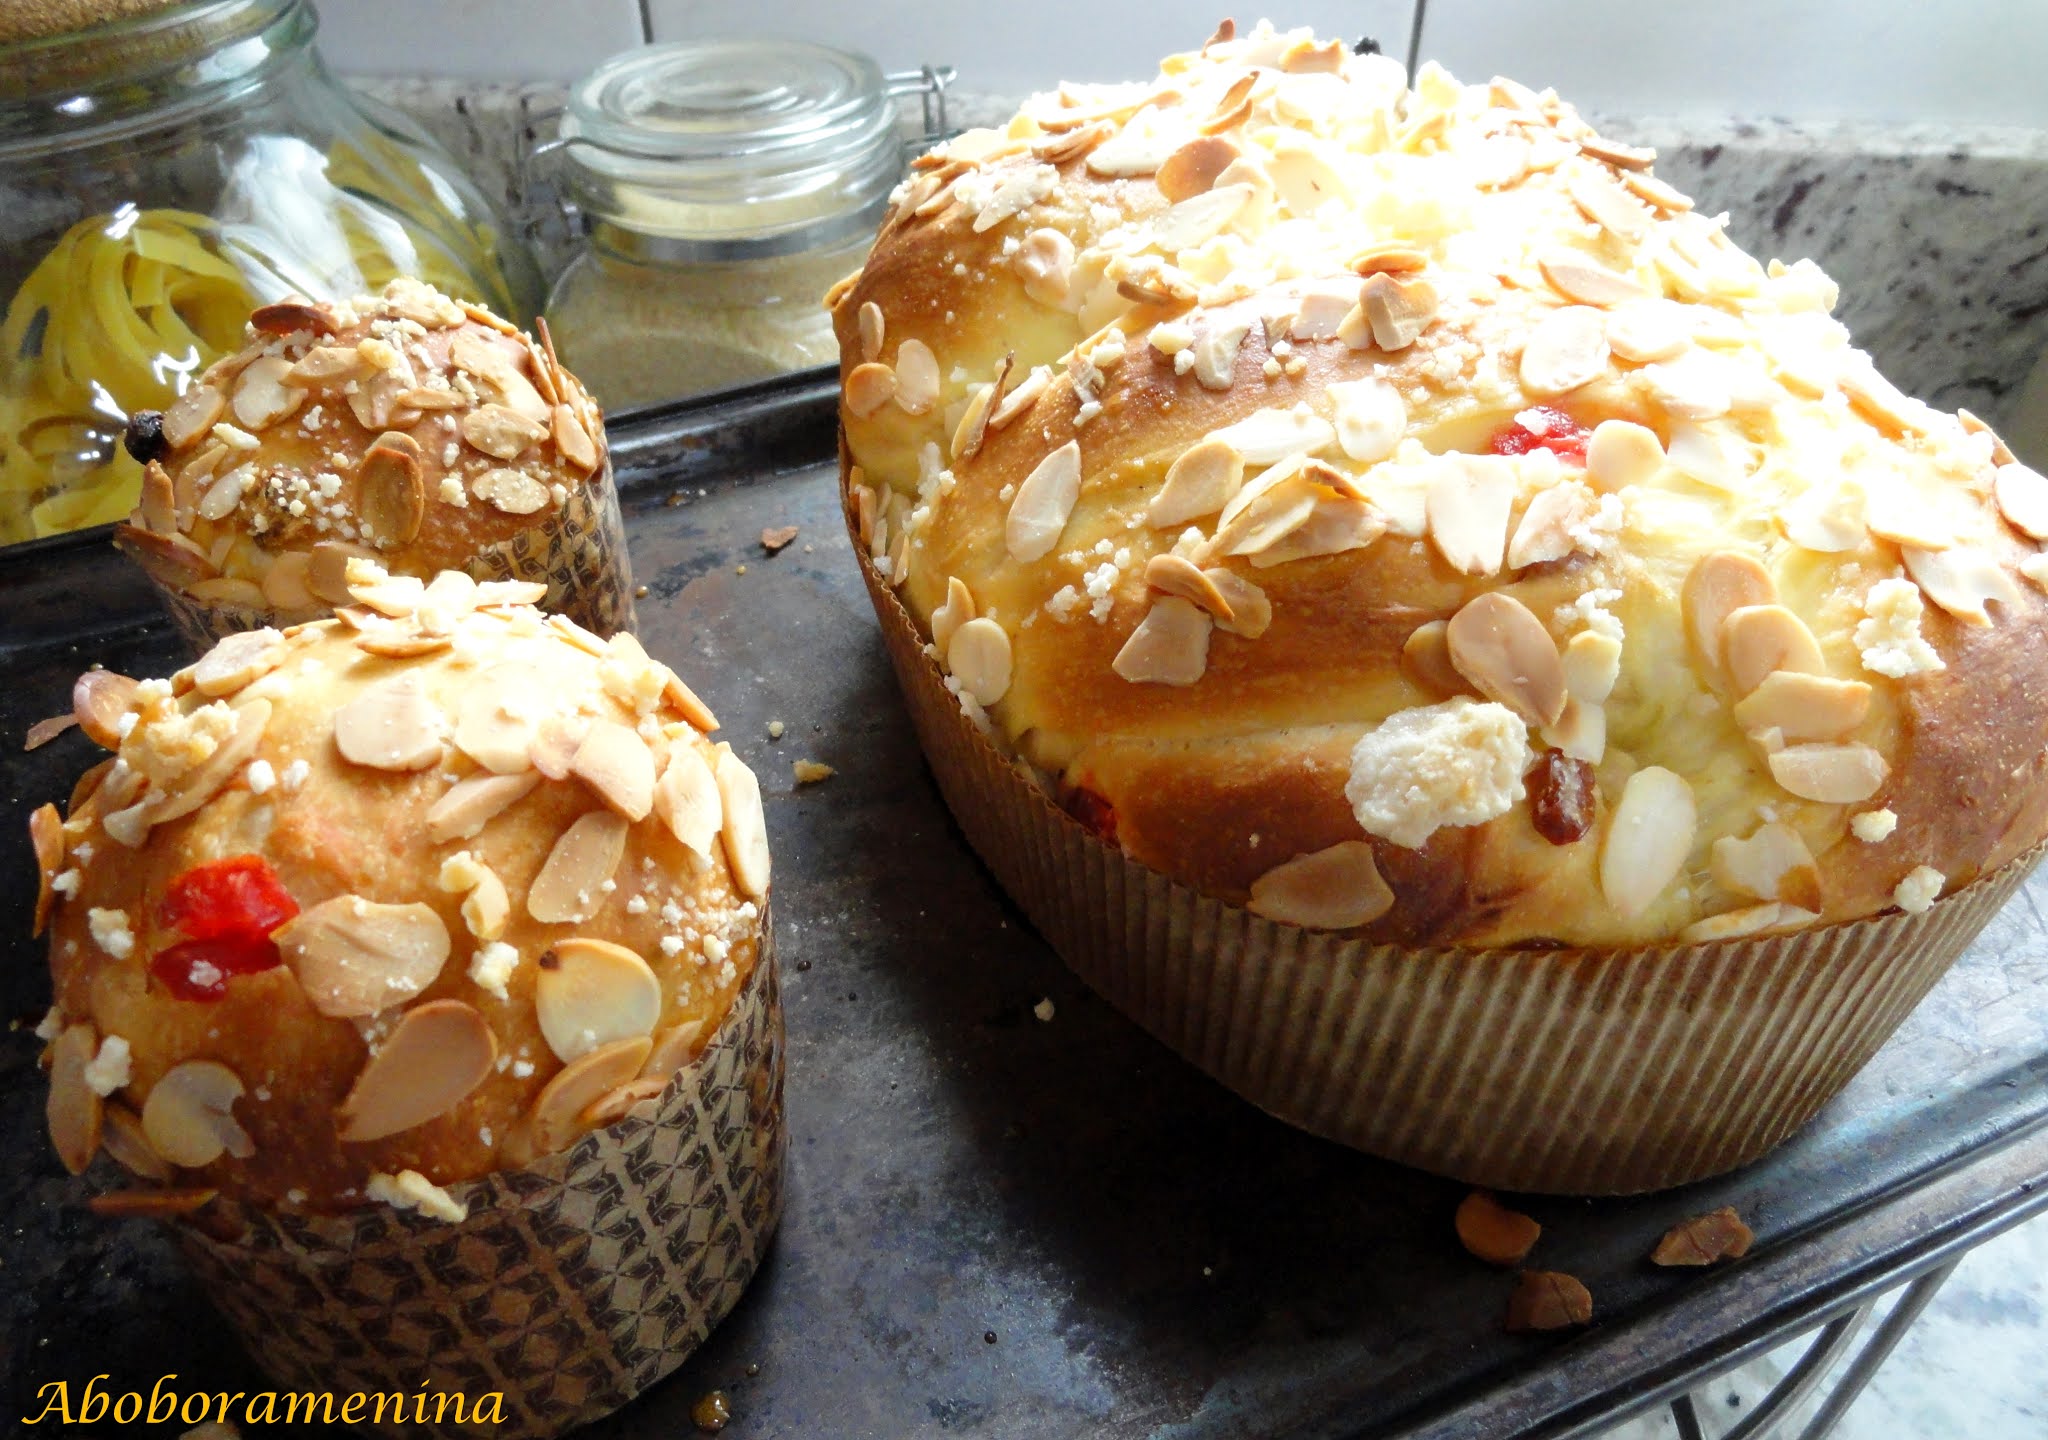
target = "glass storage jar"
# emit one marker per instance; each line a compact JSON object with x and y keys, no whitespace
{"x":162,"y":172}
{"x":727,"y":185}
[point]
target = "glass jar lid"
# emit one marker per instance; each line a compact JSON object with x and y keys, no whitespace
{"x":733,"y":148}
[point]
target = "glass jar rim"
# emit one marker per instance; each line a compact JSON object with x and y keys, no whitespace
{"x":733,"y":142}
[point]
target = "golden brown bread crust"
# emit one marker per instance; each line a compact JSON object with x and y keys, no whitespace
{"x":329,"y":826}
{"x":1878,"y":525}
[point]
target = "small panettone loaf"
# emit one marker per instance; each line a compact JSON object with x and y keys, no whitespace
{"x":405,"y":427}
{"x":1400,"y":512}
{"x":390,"y":900}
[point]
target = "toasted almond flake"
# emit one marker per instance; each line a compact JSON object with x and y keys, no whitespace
{"x":1615,"y":153}
{"x":438,"y":1053}
{"x":1734,"y":924}
{"x":570,"y":886}
{"x":188,"y":1117}
{"x":614,"y":1105}
{"x":495,"y":722}
{"x":1426,"y":660}
{"x":572,"y":440}
{"x":1467,"y":505}
{"x":559,"y":1109}
{"x":590,"y":993}
{"x":391,"y":643}
{"x":327,"y":570}
{"x":1719,"y":585}
{"x":262,"y":395}
{"x":1497,"y":644}
{"x":206,"y":779}
{"x":1804,"y":706}
{"x":917,"y":377}
{"x":1251,"y":613}
{"x":501,"y":432}
{"x":122,"y":1136}
{"x":1827,"y":519}
{"x":1072,"y":144}
{"x":74,"y":1109}
{"x":1199,"y":219}
{"x":1233,"y":109}
{"x":674,"y":1048}
{"x":617,"y":765}
{"x":1200,"y":482}
{"x":158,"y":509}
{"x":1546,"y":530}
{"x":1580,"y":278}
{"x":391,"y":726}
{"x":1264,"y":512}
{"x":328,"y":365}
{"x":1388,"y":257}
{"x":1040,"y":509}
{"x":978,"y":656}
{"x":2022,"y":494}
{"x":1398,"y":310}
{"x":285,"y":583}
{"x":1757,"y":640}
{"x":1962,"y":580}
{"x":1830,"y":774}
{"x":1268,"y":436}
{"x":1772,"y":863}
{"x":1592,"y":663}
{"x":1215,"y":349}
{"x":555,"y":742}
{"x":1192,"y":169}
{"x":192,"y":415}
{"x":357,"y":957}
{"x":473,"y":802}
{"x":46,"y":837}
{"x":488,"y":907}
{"x":686,"y":798}
{"x":745,"y":828}
{"x":1567,"y":349}
{"x":237,"y":660}
{"x":1662,"y":196}
{"x":1371,"y":417}
{"x":1580,"y":733}
{"x":47,"y":729}
{"x":1880,"y":401}
{"x":973,"y":427}
{"x":512,"y":491}
{"x":1045,"y":263}
{"x":1334,"y":524}
{"x":1647,"y":330}
{"x":99,"y":699}
{"x":1607,"y":205}
{"x":869,"y":387}
{"x":872,"y":330}
{"x":1338,"y":888}
{"x":957,"y":611}
{"x":1648,"y":839}
{"x":1170,"y":646}
{"x":391,"y":495}
{"x":1177,"y":576}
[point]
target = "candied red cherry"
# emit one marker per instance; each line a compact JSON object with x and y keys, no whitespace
{"x":1543,"y":427}
{"x":239,"y":897}
{"x":200,"y":969}
{"x":1094,"y":812}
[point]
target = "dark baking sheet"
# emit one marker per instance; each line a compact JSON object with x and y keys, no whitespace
{"x":999,"y":1226}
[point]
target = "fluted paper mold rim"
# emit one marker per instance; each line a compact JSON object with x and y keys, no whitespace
{"x":573,"y":1285}
{"x":1563,"y":1071}
{"x":578,"y":551}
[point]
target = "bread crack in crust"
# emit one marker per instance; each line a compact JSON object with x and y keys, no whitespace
{"x":1398,"y":510}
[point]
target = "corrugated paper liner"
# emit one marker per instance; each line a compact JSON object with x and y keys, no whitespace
{"x":1582,"y":1072}
{"x":578,"y":552}
{"x":572,"y":1286}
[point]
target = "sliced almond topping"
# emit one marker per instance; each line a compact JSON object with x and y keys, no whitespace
{"x":1881,"y":402}
{"x":1176,"y":576}
{"x":1170,"y":646}
{"x":262,"y":395}
{"x":570,"y":887}
{"x":1759,"y":639}
{"x":917,"y":377}
{"x":559,"y":1110}
{"x":555,"y":744}
{"x":1215,"y":349}
{"x":683,"y":700}
{"x":978,"y":656}
{"x":237,"y":660}
{"x":1961,"y":580}
{"x":1043,"y":503}
{"x":287,"y":317}
{"x":1648,"y":839}
{"x":158,"y":509}
{"x":99,"y":699}
{"x":329,"y":365}
{"x":686,"y":799}
{"x":1264,"y":512}
{"x":572,"y":440}
{"x":391,"y":726}
{"x":472,"y":802}
{"x":1749,"y":920}
{"x":74,"y":1109}
{"x":512,"y":491}
{"x":192,"y":415}
{"x":1607,"y":205}
{"x":1251,"y":613}
{"x":1059,"y":148}
{"x":1388,"y":257}
{"x":496,"y":720}
{"x":957,"y":611}
{"x":501,"y":432}
{"x":1545,"y":532}
{"x":590,"y":993}
{"x":1233,"y":109}
{"x":1495,"y":642}
{"x":359,"y":957}
{"x":1045,"y":263}
{"x":1567,"y":349}
{"x":1192,"y":169}
{"x":160,"y":1204}
{"x":1830,"y":774}
{"x":1426,"y":659}
{"x":1371,"y":417}
{"x":285,"y":583}
{"x":47,"y":729}
{"x":1773,"y":863}
{"x":439,"y":1052}
{"x":1468,"y":502}
{"x":616,"y":763}
{"x":1899,"y":512}
{"x":1398,"y":310}
{"x":189,"y":1116}
{"x":1580,"y":733}
{"x":1199,"y":218}
{"x":390,"y":643}
{"x":1647,"y":330}
{"x":1804,"y":706}
{"x":869,"y":387}
{"x":1827,"y":519}
{"x":615,"y":1104}
{"x":872,"y":330}
{"x":130,"y":1148}
{"x":1580,"y":278}
{"x":1338,"y":888}
{"x":2023,"y":498}
{"x":46,"y":836}
{"x":206,"y":779}
{"x":973,"y":427}
{"x":745,"y":827}
{"x":1719,"y":585}
{"x":1592,"y":663}
{"x":327,"y":570}
{"x":674,"y":1048}
{"x":1199,"y":483}
{"x":487,"y":908}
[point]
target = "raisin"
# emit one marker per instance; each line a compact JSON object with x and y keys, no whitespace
{"x":1094,"y":812}
{"x":1561,"y":798}
{"x":199,"y":970}
{"x":144,"y":437}
{"x":236,"y":898}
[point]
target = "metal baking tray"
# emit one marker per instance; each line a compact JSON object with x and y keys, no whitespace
{"x":999,"y":1226}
